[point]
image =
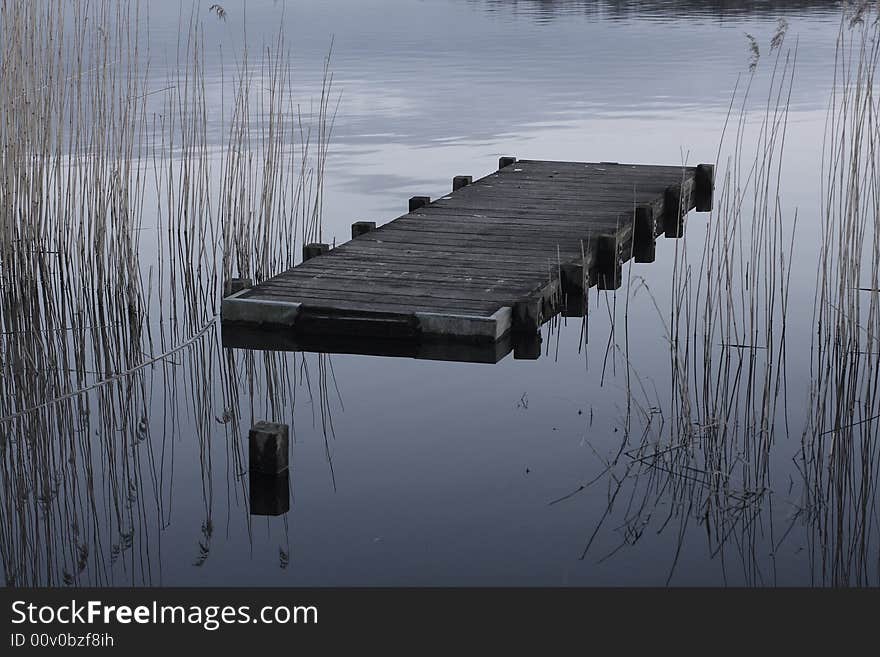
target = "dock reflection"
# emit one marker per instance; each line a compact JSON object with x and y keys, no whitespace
{"x":523,"y":347}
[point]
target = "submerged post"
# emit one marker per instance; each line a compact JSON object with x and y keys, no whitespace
{"x":528,"y":315}
{"x":362,"y":227}
{"x":314,"y":250}
{"x":417,"y":202}
{"x":506,"y":161}
{"x":269,"y":494}
{"x":573,"y":277}
{"x":461,"y":181}
{"x":644,"y":230}
{"x":609,"y":271}
{"x":268,"y":448}
{"x":673,"y":216}
{"x":704,"y":179}
{"x":574,"y":305}
{"x":527,"y":346}
{"x":268,"y":465}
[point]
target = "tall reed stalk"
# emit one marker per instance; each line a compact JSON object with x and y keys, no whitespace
{"x":840,"y":451}
{"x":99,"y":309}
{"x":697,"y":451}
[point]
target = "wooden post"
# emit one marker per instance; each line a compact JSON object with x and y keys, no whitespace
{"x":362,"y":227}
{"x":704,"y":179}
{"x":234,"y":285}
{"x":461,"y":181}
{"x":314,"y":250}
{"x":673,"y":217}
{"x":575,"y":304}
{"x":528,"y":315}
{"x":269,"y":494}
{"x":417,"y":202}
{"x":268,"y":448}
{"x":527,"y":346}
{"x":608,"y":267}
{"x":572,"y":278}
{"x":506,"y":161}
{"x":644,"y":229}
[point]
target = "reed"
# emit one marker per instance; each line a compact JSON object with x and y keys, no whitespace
{"x":702,"y":457}
{"x":696,"y":451}
{"x":840,"y":457}
{"x":102,"y":312}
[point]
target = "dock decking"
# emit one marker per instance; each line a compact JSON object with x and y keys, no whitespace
{"x":496,"y":256}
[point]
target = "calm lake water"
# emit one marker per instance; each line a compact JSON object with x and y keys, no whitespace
{"x":414,"y":472}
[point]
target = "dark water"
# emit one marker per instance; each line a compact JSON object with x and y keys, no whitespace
{"x":418,"y":472}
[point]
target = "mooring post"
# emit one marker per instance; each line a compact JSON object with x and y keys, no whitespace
{"x":506,"y":161}
{"x":362,"y":227}
{"x":527,"y":346}
{"x":314,"y":250}
{"x":461,"y":181}
{"x":268,"y":465}
{"x":609,"y":270}
{"x":233,"y":285}
{"x":573,"y":277}
{"x":704,"y":179}
{"x":269,"y":494}
{"x":673,"y":217}
{"x":268,"y":448}
{"x":575,"y":304}
{"x":644,"y":229}
{"x":417,"y":202}
{"x":528,"y":315}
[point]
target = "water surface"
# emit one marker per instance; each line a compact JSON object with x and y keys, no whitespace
{"x":409,"y":472}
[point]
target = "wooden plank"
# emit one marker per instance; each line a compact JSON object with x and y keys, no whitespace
{"x":446,"y":262}
{"x":531,"y":220}
{"x":395,"y":290}
{"x":378,"y":303}
{"x":424,"y":267}
{"x":473,"y":252}
{"x":537,"y":243}
{"x":425,"y":273}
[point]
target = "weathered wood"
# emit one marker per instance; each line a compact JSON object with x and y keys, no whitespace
{"x":359,"y":228}
{"x":314,"y":250}
{"x":705,"y":181}
{"x":460,"y":182}
{"x":574,"y":304}
{"x":643,"y":234}
{"x":268,"y":448}
{"x":497,"y":255}
{"x":269,"y":494}
{"x":528,"y":315}
{"x":608,"y":265}
{"x":673,"y":218}
{"x":234,"y":285}
{"x":417,"y":202}
{"x":527,"y":346}
{"x":269,"y":339}
{"x":364,"y":300}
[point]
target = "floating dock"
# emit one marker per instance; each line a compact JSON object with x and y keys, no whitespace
{"x":495,"y":258}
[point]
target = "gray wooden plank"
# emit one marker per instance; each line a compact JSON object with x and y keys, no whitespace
{"x":460,"y":289}
{"x":425,"y":273}
{"x":367,"y":301}
{"x":473,"y":252}
{"x":537,"y":244}
{"x":444,"y":263}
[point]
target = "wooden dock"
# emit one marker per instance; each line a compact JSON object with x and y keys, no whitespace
{"x":496,"y":257}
